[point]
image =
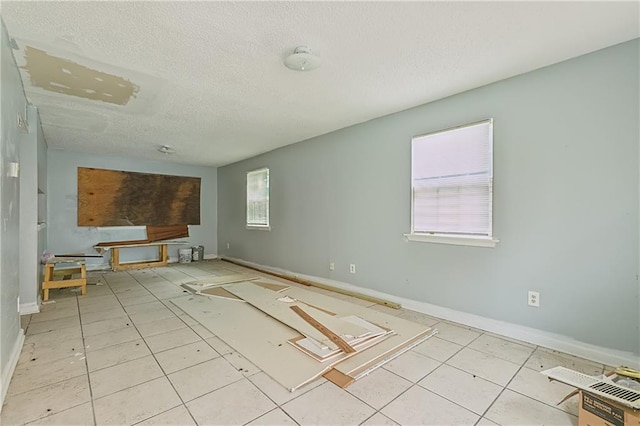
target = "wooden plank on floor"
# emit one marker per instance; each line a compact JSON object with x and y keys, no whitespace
{"x":220,"y":280}
{"x":405,"y":330}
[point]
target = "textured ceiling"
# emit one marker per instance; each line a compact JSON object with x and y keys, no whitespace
{"x":207,"y":78}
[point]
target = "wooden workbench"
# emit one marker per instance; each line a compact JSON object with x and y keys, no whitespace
{"x":163,"y":254}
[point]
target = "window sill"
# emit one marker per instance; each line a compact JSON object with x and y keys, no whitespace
{"x":259,"y":227}
{"x":462,"y":240}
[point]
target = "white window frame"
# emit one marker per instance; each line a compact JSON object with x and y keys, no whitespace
{"x":255,"y":225}
{"x":454,"y":237}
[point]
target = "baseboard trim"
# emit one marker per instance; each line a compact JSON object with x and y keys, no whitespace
{"x":7,"y":371}
{"x":558,"y":342}
{"x":29,"y":308}
{"x":210,"y":256}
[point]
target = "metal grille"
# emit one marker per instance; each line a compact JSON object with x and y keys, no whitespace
{"x":611,"y":391}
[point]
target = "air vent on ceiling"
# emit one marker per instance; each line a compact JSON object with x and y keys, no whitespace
{"x":625,"y":396}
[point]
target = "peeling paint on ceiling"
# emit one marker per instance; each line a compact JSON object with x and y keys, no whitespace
{"x":64,"y":76}
{"x":208,"y":79}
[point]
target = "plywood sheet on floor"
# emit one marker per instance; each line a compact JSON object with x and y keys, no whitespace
{"x":258,"y":337}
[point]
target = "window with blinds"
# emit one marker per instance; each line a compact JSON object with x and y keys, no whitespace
{"x":258,"y":198}
{"x":452,"y":182}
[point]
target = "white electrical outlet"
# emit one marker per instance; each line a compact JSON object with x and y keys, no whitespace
{"x":332,"y":266}
{"x":534,"y":299}
{"x":352,"y":268}
{"x":228,"y":246}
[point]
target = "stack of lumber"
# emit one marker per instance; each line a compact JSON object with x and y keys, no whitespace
{"x":154,"y":233}
{"x":296,"y":336}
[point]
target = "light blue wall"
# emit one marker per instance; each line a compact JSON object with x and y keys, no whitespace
{"x":63,"y":234}
{"x":13,"y":102}
{"x":565,"y":207}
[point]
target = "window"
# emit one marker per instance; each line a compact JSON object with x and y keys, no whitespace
{"x":452,"y":186}
{"x":258,"y":199}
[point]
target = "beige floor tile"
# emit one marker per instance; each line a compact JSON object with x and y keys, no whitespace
{"x":534,"y":385}
{"x":412,"y":366}
{"x":129,"y":291}
{"x":379,"y":388}
{"x":278,"y":393}
{"x":273,"y":417}
{"x":185,"y":356}
{"x":123,"y":376}
{"x":100,"y":307}
{"x":115,"y":337}
{"x":145,"y":307}
{"x":514,"y":409}
{"x":484,"y":365}
{"x":81,"y":415}
{"x":202,"y":378}
{"x":53,"y":338}
{"x":199,"y":329}
{"x":130,"y":301}
{"x":509,"y":351}
{"x":31,"y":375}
{"x":219,"y":345}
{"x":473,"y":393}
{"x":543,"y":359}
{"x":486,"y":422}
{"x":327,"y":404}
{"x":98,"y":290}
{"x":237,"y":403}
{"x":172,"y":339}
{"x":104,"y":326}
{"x":52,"y":304}
{"x":91,"y":317}
{"x":97,"y":301}
{"x":45,"y":401}
{"x":418,"y":317}
{"x":117,"y":354}
{"x":151,"y":316}
{"x":240,"y":363}
{"x":379,"y":419}
{"x":53,"y":325}
{"x":418,"y":406}
{"x":58,"y":313}
{"x":133,"y":405}
{"x":456,"y":334}
{"x":438,"y":349}
{"x":160,"y":326}
{"x":176,"y":416}
{"x":34,"y":351}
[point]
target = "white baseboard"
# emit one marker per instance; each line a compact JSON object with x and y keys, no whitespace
{"x":210,"y":256}
{"x":7,"y":371}
{"x":558,"y":342}
{"x":29,"y":308}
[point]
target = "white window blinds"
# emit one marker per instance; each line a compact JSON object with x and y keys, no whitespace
{"x":452,"y":181}
{"x":258,"y":198}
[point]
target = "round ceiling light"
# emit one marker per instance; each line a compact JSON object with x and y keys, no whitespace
{"x":302,"y":60}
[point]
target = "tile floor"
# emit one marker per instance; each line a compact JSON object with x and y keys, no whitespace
{"x":124,"y":354}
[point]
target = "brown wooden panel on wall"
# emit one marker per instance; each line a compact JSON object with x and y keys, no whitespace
{"x":118,"y":198}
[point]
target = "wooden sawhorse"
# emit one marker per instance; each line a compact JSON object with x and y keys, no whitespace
{"x":50,"y":273}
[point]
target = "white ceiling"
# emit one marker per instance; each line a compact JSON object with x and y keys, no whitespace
{"x":212,"y":84}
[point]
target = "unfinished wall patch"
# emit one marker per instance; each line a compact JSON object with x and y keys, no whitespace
{"x":64,"y":76}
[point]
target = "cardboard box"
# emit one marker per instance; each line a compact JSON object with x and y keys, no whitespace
{"x":597,"y":411}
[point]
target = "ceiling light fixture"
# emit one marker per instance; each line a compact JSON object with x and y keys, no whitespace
{"x":166,"y":149}
{"x":302,"y":60}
